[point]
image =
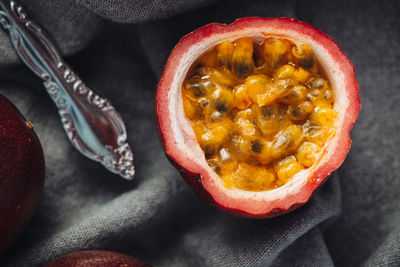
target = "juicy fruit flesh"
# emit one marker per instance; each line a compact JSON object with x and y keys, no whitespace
{"x":262,"y":110}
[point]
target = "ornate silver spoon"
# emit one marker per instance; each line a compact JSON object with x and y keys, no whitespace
{"x":92,"y":124}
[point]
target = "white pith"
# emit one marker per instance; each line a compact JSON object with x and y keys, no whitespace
{"x":186,"y":143}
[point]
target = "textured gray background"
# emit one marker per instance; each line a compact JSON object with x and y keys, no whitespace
{"x":352,"y":221}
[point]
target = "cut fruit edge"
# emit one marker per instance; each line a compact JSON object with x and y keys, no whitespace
{"x":181,"y":145}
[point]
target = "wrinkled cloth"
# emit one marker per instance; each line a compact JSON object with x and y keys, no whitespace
{"x":119,"y":48}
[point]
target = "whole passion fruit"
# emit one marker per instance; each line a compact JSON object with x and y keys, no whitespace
{"x":21,"y":171}
{"x":255,"y":115}
{"x":97,"y":258}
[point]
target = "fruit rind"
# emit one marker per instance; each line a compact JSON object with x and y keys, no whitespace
{"x":180,"y":143}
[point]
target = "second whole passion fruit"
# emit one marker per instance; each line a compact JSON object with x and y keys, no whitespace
{"x":255,"y":115}
{"x":22,"y":172}
{"x":97,"y":258}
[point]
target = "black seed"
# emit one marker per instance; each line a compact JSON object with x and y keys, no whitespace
{"x":204,"y":102}
{"x":196,"y":67}
{"x":229,"y":64}
{"x":316,"y":83}
{"x":268,"y":111}
{"x":296,"y":112}
{"x":291,"y":96}
{"x":214,"y":166}
{"x":243,"y":68}
{"x":217,"y":169}
{"x":226,"y":62}
{"x":256,"y":146}
{"x":221,"y":106}
{"x":209,"y":151}
{"x":286,"y":84}
{"x":196,"y":89}
{"x":307,"y":62}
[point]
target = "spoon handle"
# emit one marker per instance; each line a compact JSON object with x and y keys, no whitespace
{"x":92,"y":124}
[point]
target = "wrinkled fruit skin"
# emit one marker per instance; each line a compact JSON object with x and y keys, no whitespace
{"x":179,"y":143}
{"x":96,"y":258}
{"x":21,"y":172}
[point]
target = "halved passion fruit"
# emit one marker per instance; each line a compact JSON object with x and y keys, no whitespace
{"x":256,"y":114}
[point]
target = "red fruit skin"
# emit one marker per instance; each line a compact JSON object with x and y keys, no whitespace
{"x":194,"y":174}
{"x":22,"y":171}
{"x":97,"y":258}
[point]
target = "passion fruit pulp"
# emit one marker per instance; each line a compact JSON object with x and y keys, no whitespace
{"x":258,"y":113}
{"x":97,"y":258}
{"x":260,"y":108}
{"x":21,"y":171}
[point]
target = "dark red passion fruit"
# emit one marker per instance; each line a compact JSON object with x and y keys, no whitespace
{"x":22,"y":171}
{"x":97,"y":258}
{"x":256,"y":114}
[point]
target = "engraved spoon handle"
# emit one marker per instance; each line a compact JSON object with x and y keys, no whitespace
{"x":92,"y":124}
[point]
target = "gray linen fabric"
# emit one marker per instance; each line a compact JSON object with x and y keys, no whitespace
{"x":351,"y":221}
